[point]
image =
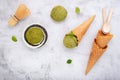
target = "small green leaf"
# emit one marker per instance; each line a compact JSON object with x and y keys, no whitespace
{"x":77,"y":10}
{"x":71,"y":34}
{"x":69,"y":61}
{"x":14,"y":39}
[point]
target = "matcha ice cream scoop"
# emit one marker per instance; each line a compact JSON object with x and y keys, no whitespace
{"x":70,"y":41}
{"x":58,"y":13}
{"x":34,"y":35}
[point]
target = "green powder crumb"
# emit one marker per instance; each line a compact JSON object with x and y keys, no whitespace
{"x":77,"y":10}
{"x":14,"y":39}
{"x":69,"y":61}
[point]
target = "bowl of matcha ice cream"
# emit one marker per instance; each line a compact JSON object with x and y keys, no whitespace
{"x":35,"y":36}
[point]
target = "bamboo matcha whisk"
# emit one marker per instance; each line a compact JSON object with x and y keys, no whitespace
{"x":21,"y":13}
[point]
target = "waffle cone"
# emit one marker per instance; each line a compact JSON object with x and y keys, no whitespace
{"x":81,"y":30}
{"x":103,"y":39}
{"x":96,"y":53}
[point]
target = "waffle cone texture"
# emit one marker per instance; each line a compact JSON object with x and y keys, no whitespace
{"x":98,"y":48}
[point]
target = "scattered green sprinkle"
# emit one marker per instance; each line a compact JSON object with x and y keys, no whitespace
{"x":14,"y":39}
{"x":69,"y":61}
{"x":77,"y":10}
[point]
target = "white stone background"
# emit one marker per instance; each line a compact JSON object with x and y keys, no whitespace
{"x":18,"y":62}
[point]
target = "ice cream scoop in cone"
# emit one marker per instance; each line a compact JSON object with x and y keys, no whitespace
{"x":76,"y":34}
{"x":21,"y":13}
{"x":99,"y":45}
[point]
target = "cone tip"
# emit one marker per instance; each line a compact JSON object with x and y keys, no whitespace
{"x":86,"y":72}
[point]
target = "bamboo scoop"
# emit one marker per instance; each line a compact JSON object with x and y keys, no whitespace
{"x":21,"y":13}
{"x":106,"y":22}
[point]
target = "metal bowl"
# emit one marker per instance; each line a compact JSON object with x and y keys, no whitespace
{"x":41,"y":43}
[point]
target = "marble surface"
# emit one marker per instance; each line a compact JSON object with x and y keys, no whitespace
{"x":18,"y":62}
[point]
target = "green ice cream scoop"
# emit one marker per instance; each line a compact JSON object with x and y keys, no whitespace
{"x":70,"y":41}
{"x":34,"y":35}
{"x":58,"y":13}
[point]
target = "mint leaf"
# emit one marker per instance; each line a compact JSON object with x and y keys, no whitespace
{"x":71,"y":34}
{"x":77,"y":10}
{"x":14,"y":39}
{"x":69,"y":61}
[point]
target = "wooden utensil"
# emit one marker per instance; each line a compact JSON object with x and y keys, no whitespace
{"x":21,"y":13}
{"x":106,"y":22}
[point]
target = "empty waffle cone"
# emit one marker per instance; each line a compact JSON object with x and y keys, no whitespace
{"x":21,"y":13}
{"x":98,"y":48}
{"x":95,"y":54}
{"x":81,"y":30}
{"x":103,"y":39}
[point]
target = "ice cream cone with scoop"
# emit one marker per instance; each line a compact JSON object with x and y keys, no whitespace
{"x":73,"y":38}
{"x":100,"y":42}
{"x":21,"y":13}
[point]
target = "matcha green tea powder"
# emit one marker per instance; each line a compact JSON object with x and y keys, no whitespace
{"x":58,"y":13}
